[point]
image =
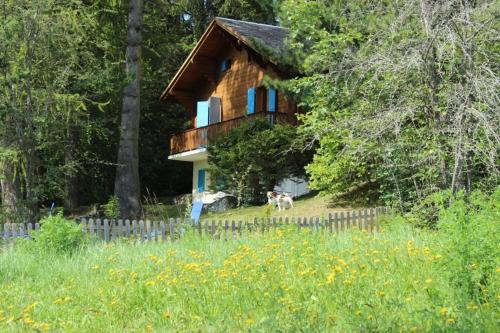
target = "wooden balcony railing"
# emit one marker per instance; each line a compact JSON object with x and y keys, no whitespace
{"x":199,"y":137}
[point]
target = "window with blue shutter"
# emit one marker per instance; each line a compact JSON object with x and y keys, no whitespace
{"x":251,"y":100}
{"x":202,"y":114}
{"x":272,"y":100}
{"x":201,"y":180}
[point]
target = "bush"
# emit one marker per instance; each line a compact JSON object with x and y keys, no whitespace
{"x":112,"y":208}
{"x":58,"y":235}
{"x":472,"y":238}
{"x":253,"y":158}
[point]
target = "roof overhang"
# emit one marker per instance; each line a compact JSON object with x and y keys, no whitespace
{"x":195,"y":155}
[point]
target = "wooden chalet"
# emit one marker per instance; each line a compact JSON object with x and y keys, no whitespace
{"x":220,"y":84}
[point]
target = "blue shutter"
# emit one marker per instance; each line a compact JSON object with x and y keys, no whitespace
{"x":272,"y":99}
{"x":251,"y":100}
{"x":201,"y":180}
{"x":202,"y":114}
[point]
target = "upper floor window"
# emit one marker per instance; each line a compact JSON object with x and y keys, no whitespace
{"x":225,"y":65}
{"x":261,"y":99}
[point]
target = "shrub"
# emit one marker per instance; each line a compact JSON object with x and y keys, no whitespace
{"x":254,"y":157}
{"x":472,"y":238}
{"x":58,"y":235}
{"x":112,"y":208}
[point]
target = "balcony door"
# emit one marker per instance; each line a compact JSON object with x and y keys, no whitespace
{"x":208,"y":112}
{"x":202,"y":114}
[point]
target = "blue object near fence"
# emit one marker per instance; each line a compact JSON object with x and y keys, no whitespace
{"x":196,"y":211}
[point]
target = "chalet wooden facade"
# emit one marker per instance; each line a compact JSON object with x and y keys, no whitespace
{"x":221,"y":85}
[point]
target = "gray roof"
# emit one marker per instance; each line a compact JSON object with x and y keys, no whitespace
{"x":270,"y":35}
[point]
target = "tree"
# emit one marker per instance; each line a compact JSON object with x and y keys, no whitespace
{"x":45,"y":91}
{"x":254,"y":158}
{"x":127,"y":182}
{"x":401,"y":95}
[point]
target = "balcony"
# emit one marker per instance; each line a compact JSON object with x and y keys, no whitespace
{"x":199,"y":137}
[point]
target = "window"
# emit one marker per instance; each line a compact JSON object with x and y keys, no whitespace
{"x":261,"y":99}
{"x":225,"y":65}
{"x":201,"y":180}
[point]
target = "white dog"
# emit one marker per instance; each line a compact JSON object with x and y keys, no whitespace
{"x":282,"y":200}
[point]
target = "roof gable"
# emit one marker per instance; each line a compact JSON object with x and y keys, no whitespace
{"x":243,"y":32}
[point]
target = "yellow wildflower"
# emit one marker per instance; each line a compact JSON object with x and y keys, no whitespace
{"x":450,"y":321}
{"x":330,"y":278}
{"x":30,"y":307}
{"x":472,"y":306}
{"x":444,"y":311}
{"x":249,"y":321}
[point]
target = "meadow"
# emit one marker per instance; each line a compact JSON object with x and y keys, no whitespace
{"x":401,"y":279}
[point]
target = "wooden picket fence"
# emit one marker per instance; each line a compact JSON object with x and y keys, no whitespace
{"x":145,"y":230}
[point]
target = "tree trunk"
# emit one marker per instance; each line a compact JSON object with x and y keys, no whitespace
{"x":127,"y":183}
{"x":10,"y":191}
{"x":71,"y":175}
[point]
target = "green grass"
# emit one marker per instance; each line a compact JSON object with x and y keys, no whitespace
{"x":305,"y":206}
{"x":399,"y":280}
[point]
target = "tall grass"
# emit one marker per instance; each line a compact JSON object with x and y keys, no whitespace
{"x":400,"y":280}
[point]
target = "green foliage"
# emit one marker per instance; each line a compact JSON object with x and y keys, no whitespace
{"x":472,"y":239}
{"x":70,"y":54}
{"x":112,"y":208}
{"x":255,"y":157}
{"x":57,"y":235}
{"x":385,"y":113}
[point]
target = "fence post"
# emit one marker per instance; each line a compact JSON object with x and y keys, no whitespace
{"x":13,"y":229}
{"x":219,"y":230}
{"x":226,"y":227}
{"x":141,"y":230}
{"x":171,"y":228}
{"x":127,"y":229}
{"x":97,"y":225}
{"x":120,"y":232}
{"x":155,"y":230}
{"x":30,"y":229}
{"x":20,"y":232}
{"x":134,"y":229}
{"x":340,"y":222}
{"x":163,"y":231}
{"x":106,"y":230}
{"x":309,"y":223}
